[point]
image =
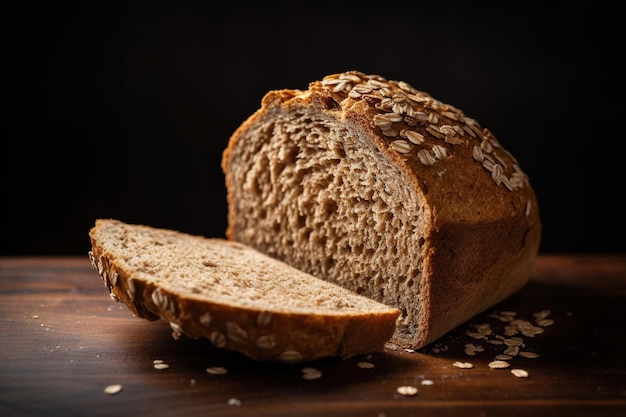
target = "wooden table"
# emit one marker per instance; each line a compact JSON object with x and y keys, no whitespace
{"x":64,"y":340}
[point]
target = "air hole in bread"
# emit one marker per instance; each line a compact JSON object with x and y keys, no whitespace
{"x":301,"y":221}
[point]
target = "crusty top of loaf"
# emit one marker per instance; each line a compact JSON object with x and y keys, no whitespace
{"x":453,"y":161}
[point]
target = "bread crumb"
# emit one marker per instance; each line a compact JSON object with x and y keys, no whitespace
{"x":391,"y":346}
{"x":234,"y":401}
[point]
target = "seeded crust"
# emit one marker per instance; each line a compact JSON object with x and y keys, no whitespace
{"x":378,"y":187}
{"x":234,"y":296}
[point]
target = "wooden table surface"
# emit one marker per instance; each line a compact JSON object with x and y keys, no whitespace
{"x":64,"y":341}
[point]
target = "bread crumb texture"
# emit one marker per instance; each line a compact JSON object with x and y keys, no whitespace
{"x":235,"y":296}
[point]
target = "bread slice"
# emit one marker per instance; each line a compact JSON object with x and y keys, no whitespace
{"x":235,"y":296}
{"x":378,"y":187}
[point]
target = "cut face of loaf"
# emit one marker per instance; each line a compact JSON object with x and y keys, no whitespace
{"x":384,"y":190}
{"x":235,"y":296}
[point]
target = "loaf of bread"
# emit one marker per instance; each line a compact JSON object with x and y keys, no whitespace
{"x":382,"y":189}
{"x":235,"y":296}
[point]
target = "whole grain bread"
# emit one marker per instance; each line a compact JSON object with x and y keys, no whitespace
{"x":235,"y":296}
{"x":380,"y":188}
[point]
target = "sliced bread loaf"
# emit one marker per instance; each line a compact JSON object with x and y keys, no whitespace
{"x":378,"y":187}
{"x":235,"y":296}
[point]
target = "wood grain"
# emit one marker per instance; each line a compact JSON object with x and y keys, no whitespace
{"x":64,"y":340}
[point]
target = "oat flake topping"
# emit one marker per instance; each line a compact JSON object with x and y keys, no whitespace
{"x":418,"y":124}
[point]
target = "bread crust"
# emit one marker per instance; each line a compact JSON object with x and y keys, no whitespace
{"x":260,"y":334}
{"x":478,"y":212}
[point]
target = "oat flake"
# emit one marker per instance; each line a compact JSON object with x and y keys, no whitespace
{"x":365,"y":365}
{"x":113,"y":389}
{"x":407,"y":390}
{"x":464,"y":365}
{"x":520,"y":373}
{"x":217,"y":370}
{"x":311,"y":373}
{"x":499,"y":364}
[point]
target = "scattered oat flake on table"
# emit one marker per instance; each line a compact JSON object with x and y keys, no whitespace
{"x":159,"y":364}
{"x":526,"y":354}
{"x":407,"y":390}
{"x":311,"y":373}
{"x":545,"y":322}
{"x":520,"y":373}
{"x":499,"y":364}
{"x":234,"y":401}
{"x":463,"y":365}
{"x":513,"y":341}
{"x":113,"y":389}
{"x":471,"y":349}
{"x":428,"y":382}
{"x":216,"y":370}
{"x":365,"y":365}
{"x":512,"y":350}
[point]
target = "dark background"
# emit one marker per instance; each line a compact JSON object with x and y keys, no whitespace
{"x":122,"y":109}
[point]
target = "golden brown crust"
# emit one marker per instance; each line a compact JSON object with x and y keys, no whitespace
{"x":481,"y":218}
